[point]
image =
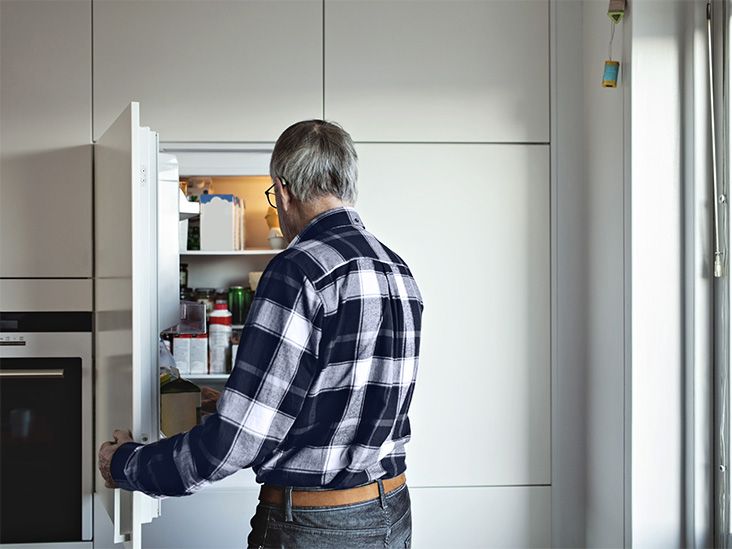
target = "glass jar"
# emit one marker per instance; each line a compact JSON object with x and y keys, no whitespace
{"x":206,"y":296}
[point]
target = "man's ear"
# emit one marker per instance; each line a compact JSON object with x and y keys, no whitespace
{"x":284,"y":192}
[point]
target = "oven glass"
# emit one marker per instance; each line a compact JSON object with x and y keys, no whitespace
{"x":40,"y":450}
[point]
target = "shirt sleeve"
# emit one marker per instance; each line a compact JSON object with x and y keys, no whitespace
{"x":275,"y":366}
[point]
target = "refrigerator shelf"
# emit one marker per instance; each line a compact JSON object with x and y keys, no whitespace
{"x":205,"y":377}
{"x":250,"y":251}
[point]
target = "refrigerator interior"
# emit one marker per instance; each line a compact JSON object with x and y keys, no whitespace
{"x":247,"y":179}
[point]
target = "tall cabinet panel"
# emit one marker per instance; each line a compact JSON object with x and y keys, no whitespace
{"x":473,"y":223}
{"x":209,"y":70}
{"x":45,"y":135}
{"x":426,"y":70}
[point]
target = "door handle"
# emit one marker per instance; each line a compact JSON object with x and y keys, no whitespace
{"x":32,"y":374}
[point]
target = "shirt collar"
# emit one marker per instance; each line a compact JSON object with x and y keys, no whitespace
{"x":329,"y":219}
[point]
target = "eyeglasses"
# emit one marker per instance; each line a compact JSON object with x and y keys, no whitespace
{"x":271,"y":195}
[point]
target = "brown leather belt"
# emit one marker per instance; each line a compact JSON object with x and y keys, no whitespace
{"x":275,"y":495}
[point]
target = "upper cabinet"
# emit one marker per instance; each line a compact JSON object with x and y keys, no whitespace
{"x":45,"y":139}
{"x":206,"y":70}
{"x":425,"y":70}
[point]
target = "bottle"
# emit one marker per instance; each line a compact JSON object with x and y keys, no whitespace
{"x":222,"y":294}
{"x":236,"y":304}
{"x":183,"y":275}
{"x":248,"y":298}
{"x":219,"y":339}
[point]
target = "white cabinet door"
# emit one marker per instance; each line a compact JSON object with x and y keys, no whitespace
{"x":126,"y":377}
{"x":472,"y":221}
{"x":206,"y":70}
{"x":481,"y":518}
{"x":425,"y":70}
{"x":45,"y":139}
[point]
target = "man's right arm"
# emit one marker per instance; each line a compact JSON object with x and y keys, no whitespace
{"x":275,"y":366}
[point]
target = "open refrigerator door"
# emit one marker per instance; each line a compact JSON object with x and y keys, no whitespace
{"x":135,"y":219}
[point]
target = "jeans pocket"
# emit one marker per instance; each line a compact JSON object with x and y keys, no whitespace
{"x":296,"y":536}
{"x":401,"y":531}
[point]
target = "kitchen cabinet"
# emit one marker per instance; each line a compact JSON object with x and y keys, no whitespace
{"x":46,"y":153}
{"x":67,"y":294}
{"x":473,"y":223}
{"x":445,"y":71}
{"x":481,"y":517}
{"x":209,"y":70}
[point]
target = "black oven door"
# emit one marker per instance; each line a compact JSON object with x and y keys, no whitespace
{"x":40,"y":450}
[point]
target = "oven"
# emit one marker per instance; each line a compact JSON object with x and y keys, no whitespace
{"x":46,"y":447}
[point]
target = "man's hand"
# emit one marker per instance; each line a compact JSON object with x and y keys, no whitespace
{"x":209,"y":398}
{"x":106,"y":452}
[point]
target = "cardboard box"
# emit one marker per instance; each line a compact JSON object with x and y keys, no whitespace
{"x":222,"y":222}
{"x":180,"y":407}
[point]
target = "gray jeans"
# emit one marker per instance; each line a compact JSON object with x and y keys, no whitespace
{"x":383,"y":522}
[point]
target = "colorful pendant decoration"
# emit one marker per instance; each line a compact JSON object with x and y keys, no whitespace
{"x":610,"y":76}
{"x":615,"y":12}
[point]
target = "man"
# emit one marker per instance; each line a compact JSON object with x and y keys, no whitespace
{"x":317,"y":401}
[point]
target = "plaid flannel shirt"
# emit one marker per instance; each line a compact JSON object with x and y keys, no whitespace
{"x":323,"y":378}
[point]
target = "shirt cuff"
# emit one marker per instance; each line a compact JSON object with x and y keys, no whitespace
{"x":119,"y":461}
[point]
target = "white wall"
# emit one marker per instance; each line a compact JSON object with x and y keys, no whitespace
{"x":604,"y":153}
{"x":635,"y":468}
{"x":569,"y":380}
{"x":588,"y":394}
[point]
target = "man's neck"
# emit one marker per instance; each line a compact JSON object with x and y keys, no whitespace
{"x":312,"y":209}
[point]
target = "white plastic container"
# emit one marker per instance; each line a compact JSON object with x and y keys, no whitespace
{"x":219,"y":338}
{"x":199,"y":354}
{"x":182,"y":353}
{"x":222,"y":222}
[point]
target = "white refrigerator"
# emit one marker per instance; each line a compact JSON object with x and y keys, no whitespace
{"x":136,"y":284}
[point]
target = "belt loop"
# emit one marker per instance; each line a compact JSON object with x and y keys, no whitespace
{"x":288,"y":503}
{"x":382,"y":497}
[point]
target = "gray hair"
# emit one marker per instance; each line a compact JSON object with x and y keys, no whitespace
{"x":316,"y":158}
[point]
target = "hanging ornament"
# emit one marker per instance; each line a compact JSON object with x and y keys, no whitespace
{"x":616,"y":10}
{"x":610,"y":75}
{"x":612,"y":68}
